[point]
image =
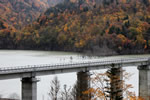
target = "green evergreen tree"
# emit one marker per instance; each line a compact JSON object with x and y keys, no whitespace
{"x":115,"y":84}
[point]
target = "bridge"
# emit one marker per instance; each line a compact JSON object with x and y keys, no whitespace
{"x":29,"y":81}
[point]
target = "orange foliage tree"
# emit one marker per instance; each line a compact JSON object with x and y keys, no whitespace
{"x":101,"y":90}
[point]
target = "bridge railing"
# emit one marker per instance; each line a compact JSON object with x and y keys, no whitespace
{"x":31,"y":68}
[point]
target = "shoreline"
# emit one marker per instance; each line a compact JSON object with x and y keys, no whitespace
{"x":86,"y":53}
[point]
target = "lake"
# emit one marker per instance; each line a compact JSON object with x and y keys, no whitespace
{"x":10,"y":58}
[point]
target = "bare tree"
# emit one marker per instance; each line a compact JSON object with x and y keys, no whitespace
{"x":66,"y":93}
{"x":54,"y":89}
{"x":14,"y":96}
{"x":74,"y":92}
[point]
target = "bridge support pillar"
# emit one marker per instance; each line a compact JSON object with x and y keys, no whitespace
{"x":29,"y":88}
{"x":83,"y":84}
{"x":144,"y":82}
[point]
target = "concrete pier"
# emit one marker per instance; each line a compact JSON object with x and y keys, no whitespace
{"x":29,"y":88}
{"x":144,"y":82}
{"x":83,"y":84}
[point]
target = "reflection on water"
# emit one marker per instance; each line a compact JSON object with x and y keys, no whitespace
{"x":9,"y":58}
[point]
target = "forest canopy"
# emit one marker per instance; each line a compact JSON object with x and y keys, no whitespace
{"x":100,"y":26}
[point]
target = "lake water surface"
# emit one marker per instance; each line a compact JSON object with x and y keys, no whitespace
{"x":10,"y":58}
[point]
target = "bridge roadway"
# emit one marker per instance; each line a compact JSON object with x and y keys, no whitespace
{"x":47,"y":69}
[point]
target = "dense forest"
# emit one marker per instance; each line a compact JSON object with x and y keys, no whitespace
{"x":99,"y":26}
{"x":18,"y":13}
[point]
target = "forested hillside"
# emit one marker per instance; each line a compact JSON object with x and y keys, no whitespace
{"x":18,"y":13}
{"x":101,"y":26}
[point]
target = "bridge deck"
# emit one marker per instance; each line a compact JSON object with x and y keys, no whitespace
{"x":37,"y":70}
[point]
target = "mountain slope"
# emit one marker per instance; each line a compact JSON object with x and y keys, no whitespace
{"x":18,"y":13}
{"x":115,"y":26}
{"x":103,"y":26}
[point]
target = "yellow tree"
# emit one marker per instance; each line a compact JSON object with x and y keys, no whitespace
{"x":100,"y":87}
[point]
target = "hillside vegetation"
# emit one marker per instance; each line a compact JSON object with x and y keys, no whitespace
{"x":18,"y":13}
{"x":100,"y":26}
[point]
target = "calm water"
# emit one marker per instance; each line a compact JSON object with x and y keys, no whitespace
{"x":16,"y":58}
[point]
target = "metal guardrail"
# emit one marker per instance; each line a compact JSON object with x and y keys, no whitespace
{"x":34,"y":68}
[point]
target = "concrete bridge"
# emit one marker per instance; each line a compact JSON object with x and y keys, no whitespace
{"x":29,"y":81}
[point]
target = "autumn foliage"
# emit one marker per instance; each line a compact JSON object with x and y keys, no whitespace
{"x":103,"y":26}
{"x":111,"y":86}
{"x":18,"y":13}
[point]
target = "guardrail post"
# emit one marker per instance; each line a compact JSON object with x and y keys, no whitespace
{"x":83,"y":84}
{"x":144,"y":82}
{"x":29,"y":88}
